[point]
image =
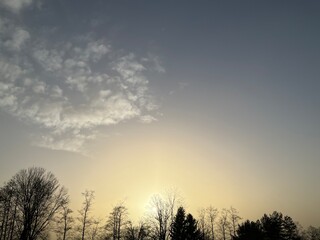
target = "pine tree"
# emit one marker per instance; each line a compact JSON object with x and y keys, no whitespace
{"x":184,"y":227}
{"x":177,"y":231}
{"x":249,"y":231}
{"x":191,"y":229}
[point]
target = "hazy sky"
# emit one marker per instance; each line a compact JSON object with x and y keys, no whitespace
{"x":219,"y":99}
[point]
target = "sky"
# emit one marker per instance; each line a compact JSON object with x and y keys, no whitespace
{"x":217,"y":99}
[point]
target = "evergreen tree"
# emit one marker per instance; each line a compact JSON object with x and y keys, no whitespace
{"x":272,"y":226}
{"x":249,"y":231}
{"x":191,"y":229}
{"x":277,"y":227}
{"x":290,"y":229}
{"x":184,"y":227}
{"x":177,"y":231}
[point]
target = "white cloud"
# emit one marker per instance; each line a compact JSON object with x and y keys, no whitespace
{"x":77,"y":82}
{"x":94,"y":51}
{"x":67,"y":90}
{"x":66,"y":93}
{"x":7,"y":98}
{"x":72,"y":144}
{"x":147,"y":119}
{"x":129,"y":68}
{"x":49,"y":60}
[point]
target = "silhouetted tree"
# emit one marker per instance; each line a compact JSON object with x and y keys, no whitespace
{"x":95,"y":231}
{"x":177,"y":230}
{"x":212,"y":213}
{"x":140,"y":232}
{"x":191,"y":229}
{"x":37,"y":198}
{"x":223,"y":223}
{"x":233,"y":219}
{"x":84,"y":211}
{"x":117,"y":221}
{"x":290,"y":230}
{"x":162,"y":214}
{"x":64,"y":221}
{"x":31,"y":200}
{"x":160,"y":218}
{"x":249,"y":231}
{"x":272,"y":226}
{"x":184,"y":227}
{"x":206,"y":222}
{"x":203,"y":224}
{"x":312,"y":233}
{"x":8,"y":212}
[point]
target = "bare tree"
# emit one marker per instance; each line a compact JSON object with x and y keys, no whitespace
{"x":8,"y":212}
{"x":117,"y":221}
{"x":131,"y":232}
{"x":173,"y":200}
{"x":140,"y":232}
{"x":36,"y":197}
{"x":160,"y":217}
{"x":64,"y":222}
{"x":162,"y":213}
{"x":223,"y":223}
{"x":84,"y":212}
{"x":206,"y":222}
{"x":312,"y":233}
{"x":202,"y":224}
{"x":234,"y":219}
{"x":96,"y":229}
{"x":212,"y":214}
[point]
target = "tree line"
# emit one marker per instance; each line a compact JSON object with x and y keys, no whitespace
{"x":33,"y":205}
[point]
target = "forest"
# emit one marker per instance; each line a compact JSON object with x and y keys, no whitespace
{"x":33,"y":205}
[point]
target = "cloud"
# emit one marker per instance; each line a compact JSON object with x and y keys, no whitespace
{"x":19,"y":37}
{"x":94,"y":51}
{"x":49,"y":60}
{"x":155,"y":63}
{"x":10,"y":72}
{"x":147,"y":119}
{"x":8,"y":99}
{"x":129,"y":68}
{"x":15,"y":5}
{"x":67,"y":90}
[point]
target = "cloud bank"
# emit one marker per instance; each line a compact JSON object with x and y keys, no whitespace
{"x":69,"y":89}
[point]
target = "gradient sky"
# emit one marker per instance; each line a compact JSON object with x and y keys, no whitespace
{"x":219,"y":99}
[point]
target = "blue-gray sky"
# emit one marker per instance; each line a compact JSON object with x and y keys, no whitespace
{"x":217,"y":98}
